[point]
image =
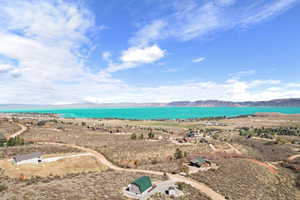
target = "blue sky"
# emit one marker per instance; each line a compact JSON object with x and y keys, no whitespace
{"x":62,"y":51}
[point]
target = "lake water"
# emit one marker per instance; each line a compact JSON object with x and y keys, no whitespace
{"x":159,"y":113}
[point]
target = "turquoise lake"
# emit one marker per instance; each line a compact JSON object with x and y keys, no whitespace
{"x":159,"y":113}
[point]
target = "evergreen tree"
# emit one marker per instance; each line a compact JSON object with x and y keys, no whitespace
{"x":133,"y":136}
{"x":178,"y":154}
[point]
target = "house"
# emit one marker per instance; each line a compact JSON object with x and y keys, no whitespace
{"x":190,"y":134}
{"x":140,"y":185}
{"x":33,"y":158}
{"x":200,"y":162}
{"x":2,"y":139}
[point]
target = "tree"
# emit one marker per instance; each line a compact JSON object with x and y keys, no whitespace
{"x":141,"y":136}
{"x":178,"y":154}
{"x":151,"y":135}
{"x":133,"y":136}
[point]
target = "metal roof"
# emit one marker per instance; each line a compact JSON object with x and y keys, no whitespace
{"x":144,"y":183}
{"x":199,"y":160}
{"x":29,"y":156}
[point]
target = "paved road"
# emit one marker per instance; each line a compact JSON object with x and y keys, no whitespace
{"x":199,"y":186}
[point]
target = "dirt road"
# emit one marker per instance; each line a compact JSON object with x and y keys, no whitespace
{"x":293,"y":157}
{"x":199,"y":186}
{"x":23,"y":129}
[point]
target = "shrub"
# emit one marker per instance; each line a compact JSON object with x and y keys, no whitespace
{"x":41,"y":123}
{"x":15,"y":141}
{"x":178,"y":154}
{"x":3,"y":188}
{"x":141,"y":136}
{"x":133,"y":136}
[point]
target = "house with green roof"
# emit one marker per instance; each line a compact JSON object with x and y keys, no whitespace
{"x":200,"y":162}
{"x":140,"y":185}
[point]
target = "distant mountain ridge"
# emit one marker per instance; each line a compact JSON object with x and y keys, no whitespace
{"x":291,"y":102}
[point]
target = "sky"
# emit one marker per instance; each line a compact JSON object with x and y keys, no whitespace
{"x":99,"y":51}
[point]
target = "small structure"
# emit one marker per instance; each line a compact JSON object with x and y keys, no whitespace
{"x":173,"y":191}
{"x":200,"y":162}
{"x":140,"y":185}
{"x":33,"y":158}
{"x":2,"y":139}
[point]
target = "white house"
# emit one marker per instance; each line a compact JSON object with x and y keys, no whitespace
{"x":32,"y":158}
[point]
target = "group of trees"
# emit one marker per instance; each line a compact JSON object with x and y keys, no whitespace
{"x":16,"y":141}
{"x":179,"y":154}
{"x":134,"y":136}
{"x":270,"y":132}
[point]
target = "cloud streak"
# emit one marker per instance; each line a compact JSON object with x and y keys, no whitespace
{"x":192,"y":19}
{"x":198,"y":60}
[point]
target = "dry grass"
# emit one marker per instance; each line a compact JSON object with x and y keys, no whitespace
{"x":120,"y":149}
{"x":8,"y":152}
{"x":265,"y":152}
{"x":190,"y":193}
{"x":85,"y":186}
{"x":240,"y":179}
{"x":60,"y":167}
{"x":7,"y":128}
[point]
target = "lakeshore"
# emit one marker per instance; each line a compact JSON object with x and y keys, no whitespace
{"x":154,"y":113}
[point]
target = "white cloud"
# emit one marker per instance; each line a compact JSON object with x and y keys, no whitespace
{"x":150,"y":32}
{"x":224,"y":2}
{"x":106,"y":56}
{"x":142,"y":55}
{"x":231,"y":90}
{"x":198,"y":60}
{"x":293,"y":85}
{"x":268,"y":10}
{"x":5,"y":68}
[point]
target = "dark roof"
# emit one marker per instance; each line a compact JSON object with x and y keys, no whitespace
{"x":199,"y":161}
{"x":29,"y":156}
{"x":2,"y":137}
{"x":144,"y":183}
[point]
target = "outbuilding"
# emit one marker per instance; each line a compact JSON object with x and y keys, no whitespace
{"x":32,"y":158}
{"x":200,"y":162}
{"x":140,"y":185}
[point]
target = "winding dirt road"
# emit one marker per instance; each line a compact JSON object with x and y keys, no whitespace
{"x":177,"y":178}
{"x":197,"y":185}
{"x":23,"y":129}
{"x":293,"y":157}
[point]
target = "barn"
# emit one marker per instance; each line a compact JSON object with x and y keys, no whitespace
{"x":200,"y":162}
{"x":140,"y":185}
{"x":32,"y":158}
